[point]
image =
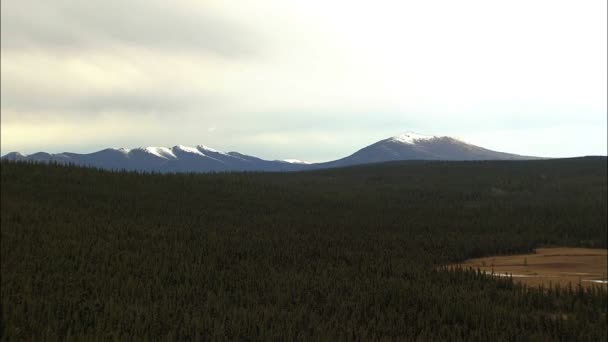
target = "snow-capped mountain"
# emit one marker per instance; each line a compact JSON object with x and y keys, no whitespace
{"x":162,"y":159}
{"x":413,"y":146}
{"x":407,"y":146}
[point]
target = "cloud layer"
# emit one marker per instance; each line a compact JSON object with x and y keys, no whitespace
{"x":74,"y":25}
{"x":277,"y":78}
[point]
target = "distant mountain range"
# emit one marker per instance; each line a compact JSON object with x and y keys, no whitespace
{"x":407,"y":146}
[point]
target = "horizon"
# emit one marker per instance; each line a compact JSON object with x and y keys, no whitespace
{"x":293,"y":158}
{"x":202,"y":147}
{"x":312,"y":81}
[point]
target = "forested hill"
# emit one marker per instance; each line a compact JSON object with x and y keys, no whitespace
{"x":340,"y":254}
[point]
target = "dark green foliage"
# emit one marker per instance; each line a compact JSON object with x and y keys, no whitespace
{"x":344,"y":254}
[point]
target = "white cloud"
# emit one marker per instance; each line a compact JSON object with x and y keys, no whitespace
{"x":304,"y":76}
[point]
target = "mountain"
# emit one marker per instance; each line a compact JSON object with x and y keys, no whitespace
{"x":162,"y":159}
{"x":407,"y":146}
{"x":413,"y":146}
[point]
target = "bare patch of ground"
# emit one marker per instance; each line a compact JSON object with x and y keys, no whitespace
{"x":561,"y":265}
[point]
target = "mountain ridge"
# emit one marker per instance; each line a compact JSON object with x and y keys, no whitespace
{"x":202,"y":158}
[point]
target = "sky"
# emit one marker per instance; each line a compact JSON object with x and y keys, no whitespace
{"x":314,"y":80}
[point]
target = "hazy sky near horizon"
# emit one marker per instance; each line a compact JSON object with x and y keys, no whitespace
{"x":314,"y":80}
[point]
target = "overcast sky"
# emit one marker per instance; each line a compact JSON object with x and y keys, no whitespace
{"x":313,"y":80}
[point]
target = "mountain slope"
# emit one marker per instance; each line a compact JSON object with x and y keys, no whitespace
{"x":407,"y":146}
{"x":412,"y":146}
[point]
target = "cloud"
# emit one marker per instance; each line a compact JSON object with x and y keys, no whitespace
{"x":83,"y":134}
{"x":77,"y":59}
{"x":89,"y":83}
{"x":296,"y":75}
{"x":152,"y":24}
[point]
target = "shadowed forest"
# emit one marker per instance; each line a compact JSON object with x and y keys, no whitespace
{"x":343,"y":254}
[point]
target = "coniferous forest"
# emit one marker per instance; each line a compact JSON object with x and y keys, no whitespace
{"x":343,"y":254}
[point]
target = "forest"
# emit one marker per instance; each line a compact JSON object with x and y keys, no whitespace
{"x":344,"y":254}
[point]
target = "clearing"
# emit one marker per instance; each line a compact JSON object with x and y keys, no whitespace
{"x":561,"y":265}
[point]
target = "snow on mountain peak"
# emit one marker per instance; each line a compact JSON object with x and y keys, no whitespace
{"x":412,"y":138}
{"x":161,"y":152}
{"x":169,"y":153}
{"x":122,"y":149}
{"x":188,"y":149}
{"x":209,"y":149}
{"x":296,"y":161}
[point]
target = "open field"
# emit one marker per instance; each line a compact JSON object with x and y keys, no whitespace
{"x":343,"y":254}
{"x":549,"y":266}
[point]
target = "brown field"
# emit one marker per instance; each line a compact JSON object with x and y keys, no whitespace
{"x":561,"y":265}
